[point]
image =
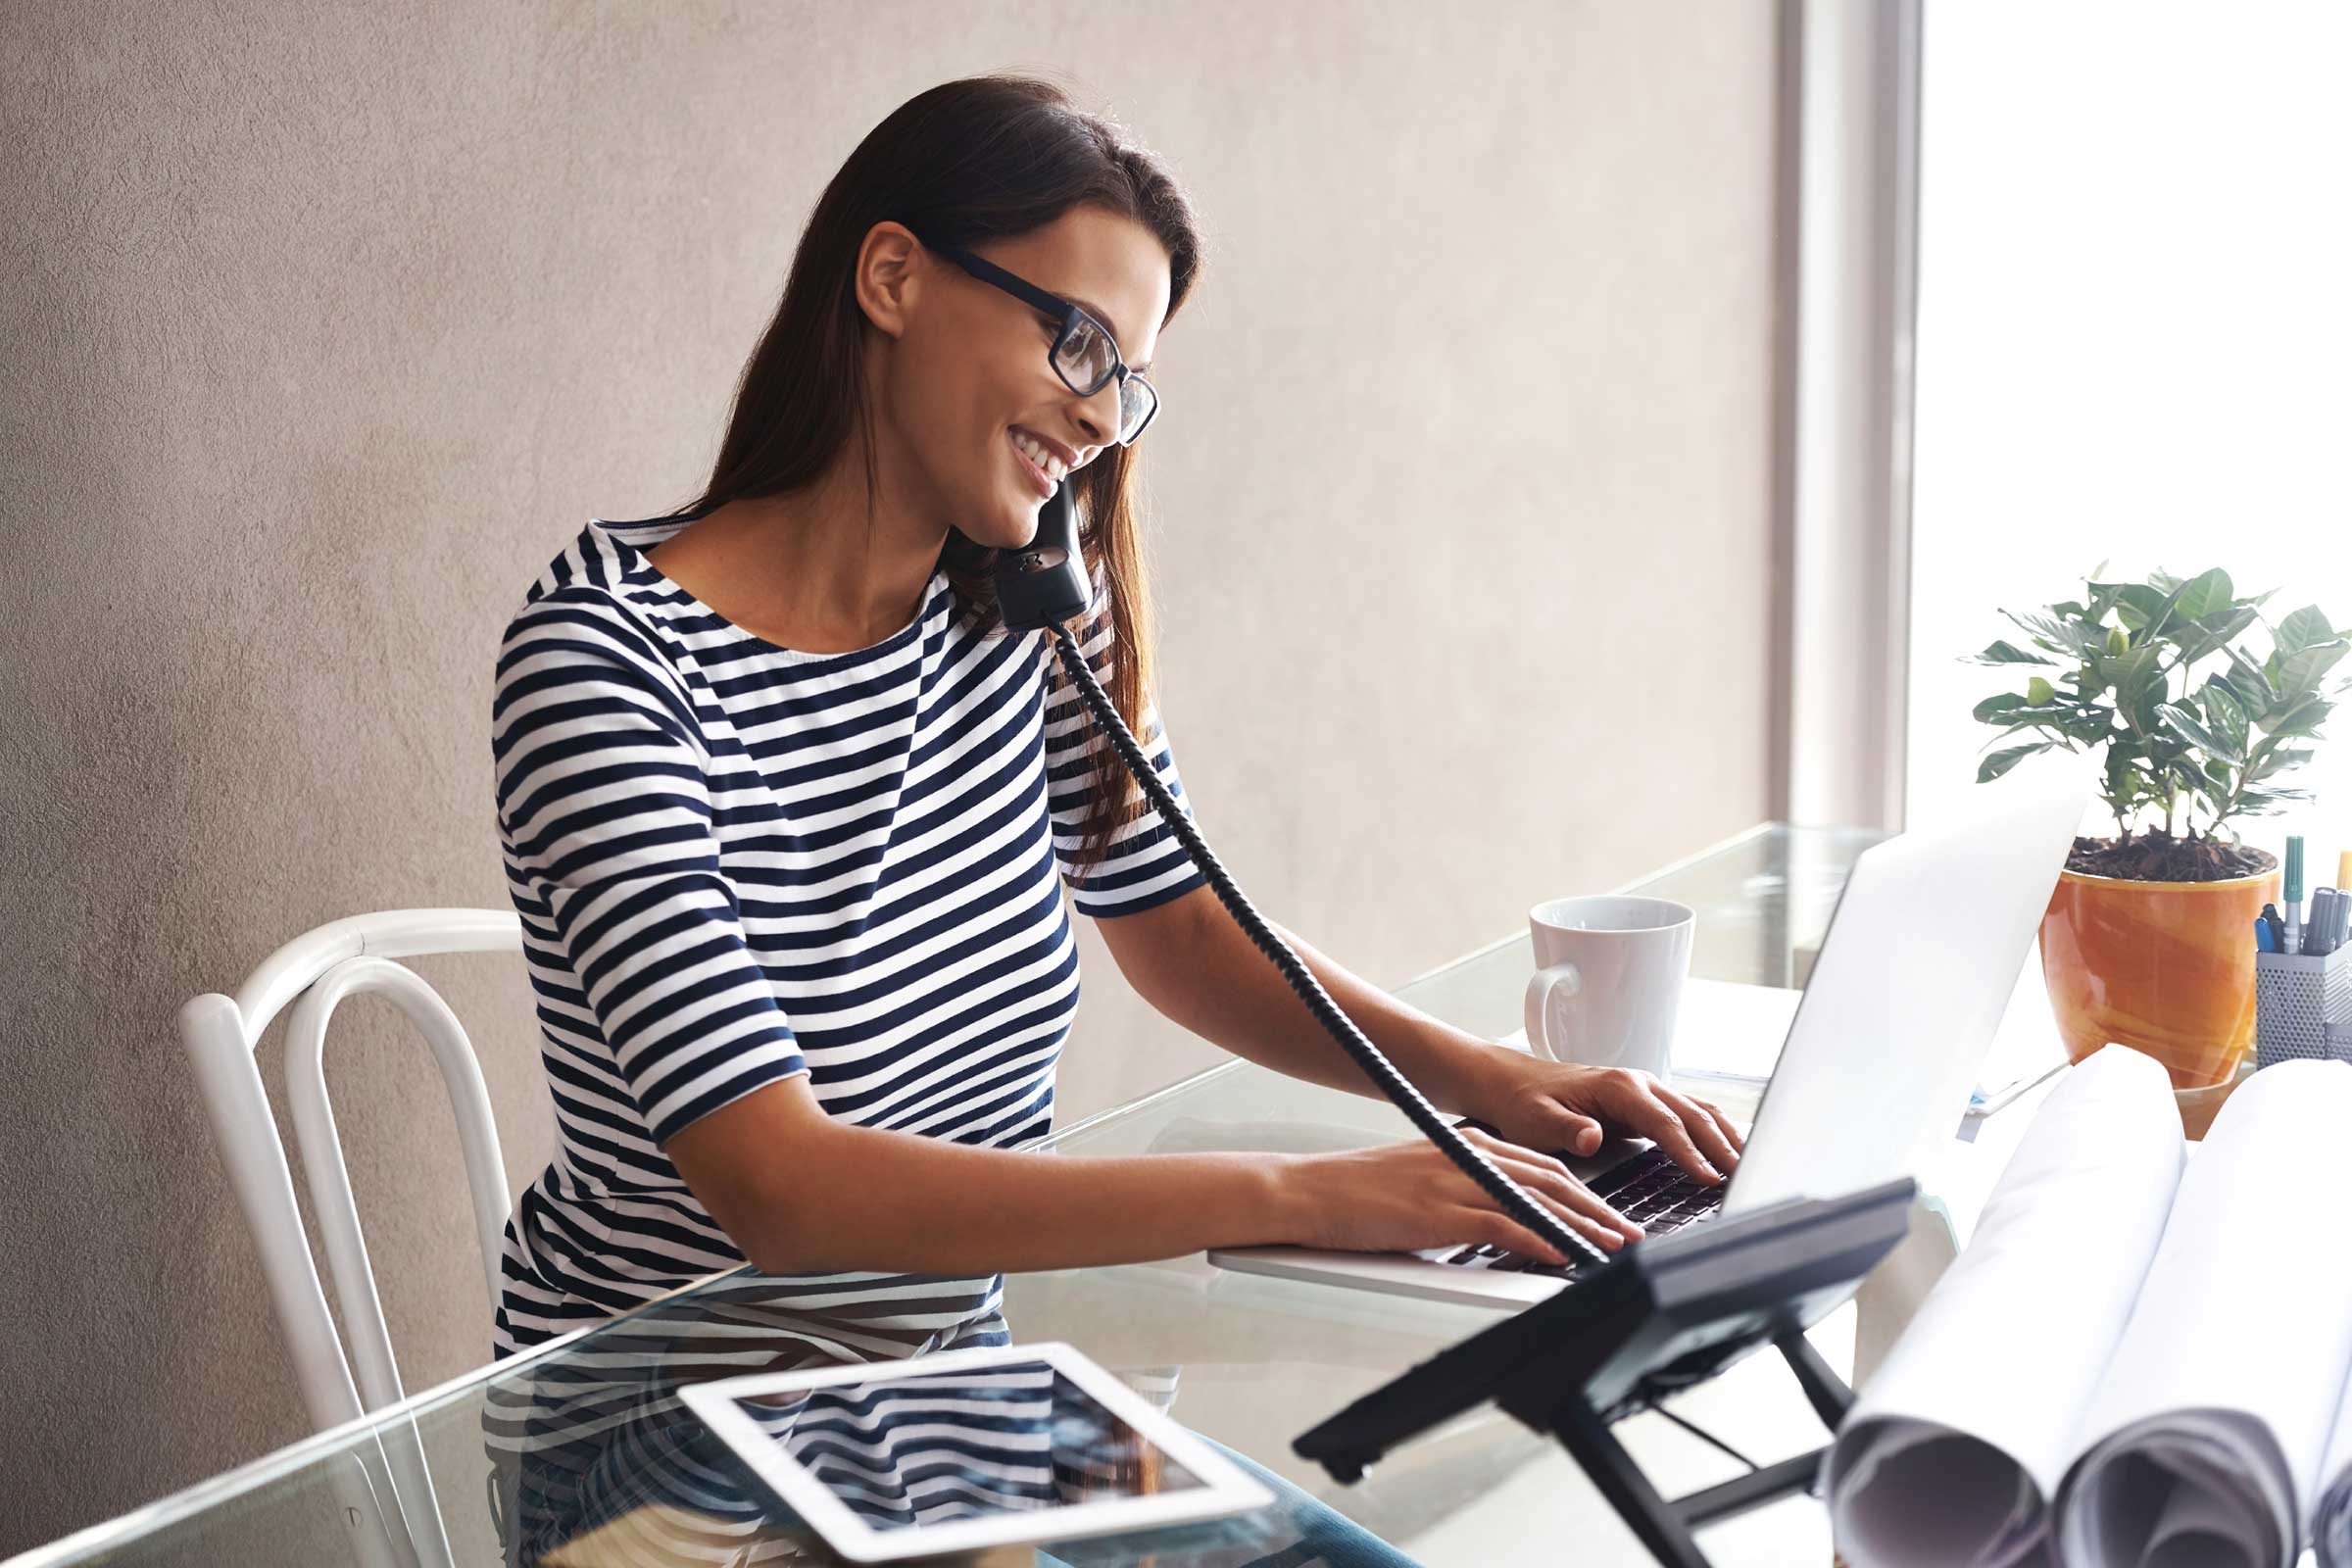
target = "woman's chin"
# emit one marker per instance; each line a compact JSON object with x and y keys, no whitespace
{"x":1019,"y":533}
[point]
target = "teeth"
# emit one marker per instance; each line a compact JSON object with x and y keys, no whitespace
{"x":1040,"y":457}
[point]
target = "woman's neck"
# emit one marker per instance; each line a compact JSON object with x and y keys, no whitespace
{"x":799,"y":570}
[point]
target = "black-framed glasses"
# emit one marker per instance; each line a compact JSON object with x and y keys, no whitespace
{"x":1084,"y":353}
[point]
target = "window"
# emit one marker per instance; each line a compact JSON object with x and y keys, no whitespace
{"x":2133,"y":339}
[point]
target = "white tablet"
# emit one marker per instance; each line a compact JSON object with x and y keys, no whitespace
{"x":970,"y":1448}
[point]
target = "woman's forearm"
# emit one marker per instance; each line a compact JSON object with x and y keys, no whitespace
{"x":843,"y":1198}
{"x":946,"y":1207}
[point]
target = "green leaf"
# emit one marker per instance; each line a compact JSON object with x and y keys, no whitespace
{"x":2225,"y":714}
{"x":2303,"y":629}
{"x":2038,"y":692}
{"x":2252,"y":686}
{"x":2058,"y":716}
{"x":2132,"y":674}
{"x":2001,"y":652}
{"x":2187,"y":725}
{"x":2072,"y":637}
{"x":1997,"y":703}
{"x":2300,"y":670}
{"x":2258,"y":800}
{"x":2281,"y":759}
{"x":2236,"y":687}
{"x":2213,"y":632}
{"x":2135,"y":603}
{"x":2204,"y":595}
{"x":2000,"y":762}
{"x":2296,"y":715}
{"x":2093,"y":725}
{"x":2138,"y":604}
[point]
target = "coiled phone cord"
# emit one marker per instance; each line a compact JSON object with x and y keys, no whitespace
{"x":1514,"y":1199}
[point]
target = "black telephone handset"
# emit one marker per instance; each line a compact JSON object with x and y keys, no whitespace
{"x":1044,"y":583}
{"x":1047,"y":584}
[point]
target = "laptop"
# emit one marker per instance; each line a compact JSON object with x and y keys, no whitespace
{"x":1923,"y":953}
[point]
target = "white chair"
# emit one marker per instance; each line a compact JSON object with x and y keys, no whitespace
{"x":315,"y":972}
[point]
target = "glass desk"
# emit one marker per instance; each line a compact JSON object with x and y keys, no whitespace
{"x":1248,"y":1360}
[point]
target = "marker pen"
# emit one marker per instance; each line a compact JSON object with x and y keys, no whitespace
{"x":2294,"y":893}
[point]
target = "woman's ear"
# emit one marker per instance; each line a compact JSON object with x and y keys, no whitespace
{"x":889,"y":275}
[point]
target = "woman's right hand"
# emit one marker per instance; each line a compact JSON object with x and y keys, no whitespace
{"x":1404,"y":1197}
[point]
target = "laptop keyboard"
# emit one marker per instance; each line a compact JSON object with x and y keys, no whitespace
{"x":1649,"y":1189}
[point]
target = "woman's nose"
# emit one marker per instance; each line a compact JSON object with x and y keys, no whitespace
{"x":1098,"y":416}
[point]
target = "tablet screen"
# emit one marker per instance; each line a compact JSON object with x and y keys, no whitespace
{"x":903,"y":1450}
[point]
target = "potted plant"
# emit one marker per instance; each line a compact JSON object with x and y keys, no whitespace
{"x":2148,"y":940}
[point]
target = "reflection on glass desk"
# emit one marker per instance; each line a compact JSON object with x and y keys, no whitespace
{"x":589,"y":1430}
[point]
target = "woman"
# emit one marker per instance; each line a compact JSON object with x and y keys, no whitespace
{"x":782,"y":806}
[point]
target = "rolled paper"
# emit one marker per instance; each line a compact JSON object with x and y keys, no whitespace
{"x":1958,"y":1441}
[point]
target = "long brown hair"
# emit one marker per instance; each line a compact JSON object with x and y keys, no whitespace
{"x":984,"y":158}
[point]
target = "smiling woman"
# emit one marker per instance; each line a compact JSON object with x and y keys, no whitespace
{"x":787,"y":811}
{"x":876,"y":434}
{"x":782,"y":800}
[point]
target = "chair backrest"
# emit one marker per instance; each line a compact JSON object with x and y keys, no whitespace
{"x":313,"y":972}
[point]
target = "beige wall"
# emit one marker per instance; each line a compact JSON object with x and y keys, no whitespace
{"x":330,"y":326}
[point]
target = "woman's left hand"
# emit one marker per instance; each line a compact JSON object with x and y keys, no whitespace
{"x":1560,"y":1108}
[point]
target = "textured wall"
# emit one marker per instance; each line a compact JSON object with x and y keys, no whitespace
{"x":329,"y":325}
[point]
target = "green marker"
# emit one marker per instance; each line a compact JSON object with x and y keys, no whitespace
{"x":2294,"y":893}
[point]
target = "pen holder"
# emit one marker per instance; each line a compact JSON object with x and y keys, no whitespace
{"x":2296,"y":998}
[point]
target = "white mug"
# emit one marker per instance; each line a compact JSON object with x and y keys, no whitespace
{"x":1609,"y":973}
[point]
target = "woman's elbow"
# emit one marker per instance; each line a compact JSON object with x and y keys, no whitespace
{"x":747,"y":1163}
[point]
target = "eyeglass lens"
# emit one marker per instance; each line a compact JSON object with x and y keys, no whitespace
{"x":1086,"y":361}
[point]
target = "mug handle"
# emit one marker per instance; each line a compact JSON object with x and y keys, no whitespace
{"x":1538,"y":1002}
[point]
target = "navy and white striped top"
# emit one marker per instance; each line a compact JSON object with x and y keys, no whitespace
{"x":736,"y":861}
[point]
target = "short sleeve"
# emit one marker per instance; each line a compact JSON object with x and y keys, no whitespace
{"x":605,"y":817}
{"x":1146,"y":863}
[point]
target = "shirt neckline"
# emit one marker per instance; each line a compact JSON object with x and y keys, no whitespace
{"x":642,"y":570}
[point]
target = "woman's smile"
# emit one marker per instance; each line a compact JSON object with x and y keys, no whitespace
{"x":1042,"y":479}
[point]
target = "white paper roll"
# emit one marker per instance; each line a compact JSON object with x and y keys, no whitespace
{"x":1960,"y":1438}
{"x":2332,"y":1522}
{"x":2218,"y":1404}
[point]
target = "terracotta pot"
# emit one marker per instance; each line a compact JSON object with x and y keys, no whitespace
{"x":2164,"y":967}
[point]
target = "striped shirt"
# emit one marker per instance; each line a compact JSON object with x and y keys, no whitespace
{"x":736,"y":862}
